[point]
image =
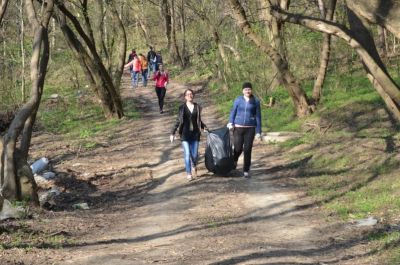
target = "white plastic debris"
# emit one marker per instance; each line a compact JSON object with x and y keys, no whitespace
{"x":82,"y":206}
{"x":9,"y":211}
{"x":39,"y":165}
{"x":55,"y":191}
{"x":275,"y":137}
{"x":47,"y":198}
{"x":48,"y":175}
{"x":370,"y":221}
{"x":40,"y":179}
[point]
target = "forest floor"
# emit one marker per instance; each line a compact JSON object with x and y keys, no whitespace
{"x":144,"y":211}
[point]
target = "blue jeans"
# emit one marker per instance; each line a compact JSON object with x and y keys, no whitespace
{"x":135,"y":78}
{"x":190,"y":154}
{"x":144,"y":77}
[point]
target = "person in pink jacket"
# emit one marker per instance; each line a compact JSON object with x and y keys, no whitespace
{"x":136,"y":70}
{"x":161,"y":78}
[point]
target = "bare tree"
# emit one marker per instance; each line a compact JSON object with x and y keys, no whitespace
{"x":377,"y":73}
{"x":182,"y":21}
{"x":22,"y":47}
{"x":213,"y":21}
{"x":138,"y":13}
{"x":3,"y":8}
{"x":25,"y":117}
{"x":297,"y":94}
{"x":274,"y":34}
{"x":166,"y":16}
{"x":174,"y":49}
{"x":83,"y":44}
{"x":326,"y":13}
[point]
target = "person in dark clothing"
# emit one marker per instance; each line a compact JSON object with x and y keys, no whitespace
{"x":151,"y":59}
{"x":159,"y":60}
{"x":130,"y":58}
{"x":189,"y":125}
{"x":245,"y":120}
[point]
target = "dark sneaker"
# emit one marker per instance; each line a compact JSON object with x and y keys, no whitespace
{"x":234,"y":164}
{"x":246,"y":175}
{"x":161,"y":111}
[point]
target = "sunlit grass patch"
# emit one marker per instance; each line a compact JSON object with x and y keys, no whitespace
{"x":78,"y":115}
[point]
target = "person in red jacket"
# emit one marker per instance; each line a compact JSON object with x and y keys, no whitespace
{"x":161,"y":78}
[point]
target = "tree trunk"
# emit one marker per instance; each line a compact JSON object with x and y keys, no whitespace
{"x":93,"y":66}
{"x":174,"y":49}
{"x":381,"y":45}
{"x":325,"y":52}
{"x":391,"y":90}
{"x":101,"y":36}
{"x":10,"y":185}
{"x":384,"y":13}
{"x":138,"y":12}
{"x":275,"y":36}
{"x":184,"y":53}
{"x":3,"y":8}
{"x":118,"y":70}
{"x":96,"y":74}
{"x":296,"y":93}
{"x":166,"y":16}
{"x":22,"y":41}
{"x":225,"y":63}
{"x":365,"y":38}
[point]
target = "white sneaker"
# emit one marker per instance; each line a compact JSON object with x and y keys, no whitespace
{"x":189,"y":177}
{"x":246,"y":175}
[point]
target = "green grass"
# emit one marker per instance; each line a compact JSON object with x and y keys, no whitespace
{"x":387,"y":243}
{"x":22,"y":236}
{"x":77,"y":116}
{"x":338,"y":94}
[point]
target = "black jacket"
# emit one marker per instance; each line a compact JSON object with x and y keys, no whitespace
{"x":179,"y":120}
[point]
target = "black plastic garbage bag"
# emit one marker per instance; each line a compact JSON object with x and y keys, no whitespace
{"x":219,"y":156}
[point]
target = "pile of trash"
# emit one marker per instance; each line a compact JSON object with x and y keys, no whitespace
{"x":48,"y":192}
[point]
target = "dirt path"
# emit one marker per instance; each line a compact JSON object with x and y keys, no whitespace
{"x":207,"y":221}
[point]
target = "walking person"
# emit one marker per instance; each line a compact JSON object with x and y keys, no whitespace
{"x":245,"y":121}
{"x":144,"y":64}
{"x":158,"y":60}
{"x":136,"y":69}
{"x":189,"y":125}
{"x":130,"y":58}
{"x":151,"y":59}
{"x":162,"y":79}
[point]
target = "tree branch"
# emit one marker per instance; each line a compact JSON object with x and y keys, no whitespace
{"x":344,"y":33}
{"x":3,"y":8}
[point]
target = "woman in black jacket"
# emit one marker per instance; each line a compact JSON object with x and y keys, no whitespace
{"x":189,"y":125}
